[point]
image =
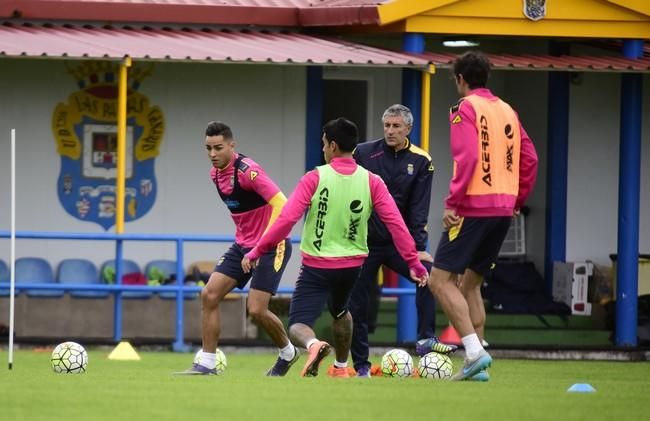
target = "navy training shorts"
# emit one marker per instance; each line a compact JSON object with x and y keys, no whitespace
{"x":474,"y":245}
{"x":268,"y":273}
{"x":315,"y":287}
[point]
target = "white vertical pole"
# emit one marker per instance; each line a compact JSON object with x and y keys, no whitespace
{"x":12,"y":288}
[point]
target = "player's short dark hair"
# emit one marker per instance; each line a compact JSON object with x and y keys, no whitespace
{"x":343,"y":132}
{"x":475,"y":68}
{"x":217,"y":128}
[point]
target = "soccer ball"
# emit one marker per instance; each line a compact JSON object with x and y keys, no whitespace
{"x":69,"y":358}
{"x":222,"y":363}
{"x":435,"y":366}
{"x":397,"y":363}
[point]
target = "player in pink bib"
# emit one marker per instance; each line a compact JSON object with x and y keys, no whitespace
{"x":254,"y":202}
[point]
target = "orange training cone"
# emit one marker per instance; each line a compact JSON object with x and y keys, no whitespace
{"x":450,"y":336}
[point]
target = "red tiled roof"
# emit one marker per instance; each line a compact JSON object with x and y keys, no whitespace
{"x":551,"y":63}
{"x":217,"y":12}
{"x":145,"y":43}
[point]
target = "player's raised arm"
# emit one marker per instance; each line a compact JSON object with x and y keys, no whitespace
{"x":292,"y":211}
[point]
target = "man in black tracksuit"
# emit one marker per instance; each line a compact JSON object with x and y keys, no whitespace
{"x":408,"y":172}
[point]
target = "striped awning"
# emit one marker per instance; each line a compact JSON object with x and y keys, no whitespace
{"x":605,"y":63}
{"x":189,"y":44}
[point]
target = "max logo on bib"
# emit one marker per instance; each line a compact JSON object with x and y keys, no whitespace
{"x":356,"y":207}
{"x":509,"y":148}
{"x":353,"y":228}
{"x":85,"y":131}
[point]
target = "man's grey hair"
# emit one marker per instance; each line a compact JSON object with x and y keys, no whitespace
{"x":399,"y":110}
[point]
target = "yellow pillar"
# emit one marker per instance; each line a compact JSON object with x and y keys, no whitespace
{"x":121,"y":146}
{"x":426,"y":107}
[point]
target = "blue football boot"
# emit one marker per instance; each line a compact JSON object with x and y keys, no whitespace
{"x":282,"y":366}
{"x":363,"y":372}
{"x":198,"y":370}
{"x":472,"y":367}
{"x":481,"y":376}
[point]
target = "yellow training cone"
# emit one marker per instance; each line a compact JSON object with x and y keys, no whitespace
{"x":124,"y":352}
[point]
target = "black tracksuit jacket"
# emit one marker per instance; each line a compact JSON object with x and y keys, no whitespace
{"x":408,"y":174}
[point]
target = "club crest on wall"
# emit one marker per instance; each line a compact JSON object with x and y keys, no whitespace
{"x":535,"y":9}
{"x":85,"y":131}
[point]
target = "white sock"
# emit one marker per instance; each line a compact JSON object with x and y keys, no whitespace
{"x":288,"y":352}
{"x":340,"y":365}
{"x":472,"y":345}
{"x":208,"y":360}
{"x":311,"y":342}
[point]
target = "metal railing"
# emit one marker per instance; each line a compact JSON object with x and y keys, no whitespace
{"x":118,"y":288}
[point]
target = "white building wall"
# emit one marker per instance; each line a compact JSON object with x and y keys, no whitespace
{"x":594,"y":131}
{"x":265,"y":105}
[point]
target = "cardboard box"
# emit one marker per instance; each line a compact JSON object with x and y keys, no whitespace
{"x":571,"y":285}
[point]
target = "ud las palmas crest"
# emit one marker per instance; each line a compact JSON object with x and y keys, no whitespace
{"x":535,"y":9}
{"x":85,"y":130}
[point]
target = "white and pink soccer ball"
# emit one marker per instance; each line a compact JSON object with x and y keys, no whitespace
{"x":397,"y":363}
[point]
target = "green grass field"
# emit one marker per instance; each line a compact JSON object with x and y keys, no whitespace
{"x":519,"y":390}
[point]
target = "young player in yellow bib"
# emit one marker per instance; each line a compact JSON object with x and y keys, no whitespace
{"x":495,"y":166}
{"x":340,"y":197}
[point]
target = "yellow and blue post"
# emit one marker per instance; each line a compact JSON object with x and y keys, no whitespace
{"x":120,"y":188}
{"x":426,"y":107}
{"x":629,"y":187}
{"x":411,"y":97}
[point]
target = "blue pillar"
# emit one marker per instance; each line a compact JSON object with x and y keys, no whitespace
{"x":313,"y":148}
{"x":411,"y":97}
{"x":633,"y":48}
{"x":557,"y":167}
{"x":412,"y":84}
{"x":629,"y":182}
{"x":117,"y":308}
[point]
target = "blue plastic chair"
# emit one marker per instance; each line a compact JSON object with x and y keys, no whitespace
{"x":168,"y":267}
{"x":4,"y":279}
{"x":36,"y":270}
{"x":80,"y":272}
{"x":128,"y":266}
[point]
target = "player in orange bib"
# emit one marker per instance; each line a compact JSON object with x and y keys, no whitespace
{"x":495,"y":167}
